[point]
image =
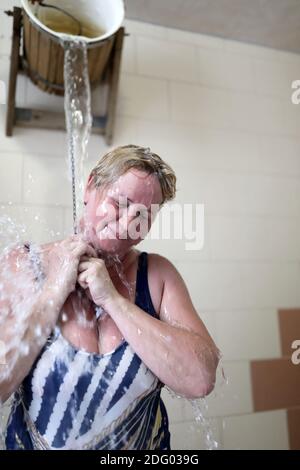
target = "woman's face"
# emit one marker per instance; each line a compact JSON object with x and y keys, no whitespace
{"x":119,"y":216}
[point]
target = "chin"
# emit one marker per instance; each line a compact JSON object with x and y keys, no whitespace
{"x":115,"y":246}
{"x":111,"y":246}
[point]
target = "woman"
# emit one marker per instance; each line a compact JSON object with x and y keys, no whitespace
{"x":109,"y":326}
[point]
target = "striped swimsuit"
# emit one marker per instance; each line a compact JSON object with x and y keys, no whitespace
{"x":72,"y":399}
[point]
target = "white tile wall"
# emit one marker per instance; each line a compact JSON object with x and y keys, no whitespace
{"x":278,"y":155}
{"x":139,"y":28}
{"x":261,"y":431}
{"x":232,"y":394}
{"x":191,"y":436}
{"x":128,"y":64}
{"x":272,"y":78}
{"x":224,"y":69}
{"x":254,"y":238}
{"x":226,"y":193}
{"x":187,"y":37}
{"x":173,"y":61}
{"x":143,"y":97}
{"x":11,"y":169}
{"x":248,"y":334}
{"x":238,"y":285}
{"x":39,"y":224}
{"x":220,"y":113}
{"x":46,"y":180}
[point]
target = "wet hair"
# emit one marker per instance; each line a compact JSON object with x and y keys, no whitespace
{"x":121,"y":159}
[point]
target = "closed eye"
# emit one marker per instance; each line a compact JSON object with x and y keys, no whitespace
{"x":121,"y":205}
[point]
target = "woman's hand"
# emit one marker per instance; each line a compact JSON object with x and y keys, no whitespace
{"x":62,"y":261}
{"x":94,"y":276}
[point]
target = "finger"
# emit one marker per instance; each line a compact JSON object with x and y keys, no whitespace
{"x":82,"y":280}
{"x":94,"y":251}
{"x":82,"y":248}
{"x":78,"y":242}
{"x":71,"y":239}
{"x":91,"y":251}
{"x":84,"y":258}
{"x":83,"y":266}
{"x":82,"y":284}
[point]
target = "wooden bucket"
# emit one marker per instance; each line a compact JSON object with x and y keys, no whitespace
{"x":44,"y":54}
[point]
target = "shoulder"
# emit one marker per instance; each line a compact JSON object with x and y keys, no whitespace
{"x":12,"y":256}
{"x":161,"y":272}
{"x":162,"y":267}
{"x":15,"y":263}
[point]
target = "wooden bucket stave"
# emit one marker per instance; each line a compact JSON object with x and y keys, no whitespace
{"x":44,"y":58}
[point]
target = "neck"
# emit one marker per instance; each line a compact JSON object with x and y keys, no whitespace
{"x":117,"y":258}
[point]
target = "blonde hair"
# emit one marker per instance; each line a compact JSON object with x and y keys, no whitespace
{"x":121,"y":159}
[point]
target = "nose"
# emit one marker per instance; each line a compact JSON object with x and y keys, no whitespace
{"x":125,"y":220}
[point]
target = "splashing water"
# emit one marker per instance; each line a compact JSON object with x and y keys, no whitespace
{"x":205,"y":430}
{"x":200,"y":409}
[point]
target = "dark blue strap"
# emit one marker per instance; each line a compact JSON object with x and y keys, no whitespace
{"x":143,"y":297}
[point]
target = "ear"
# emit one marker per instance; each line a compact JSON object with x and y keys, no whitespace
{"x":88,"y":188}
{"x":89,"y":181}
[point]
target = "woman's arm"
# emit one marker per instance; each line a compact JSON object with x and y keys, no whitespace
{"x":177,"y":347}
{"x":27,"y":317}
{"x":22,"y":345}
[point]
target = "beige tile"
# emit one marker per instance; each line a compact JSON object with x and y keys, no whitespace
{"x":293,"y":416}
{"x":275,"y":384}
{"x":289,"y":326}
